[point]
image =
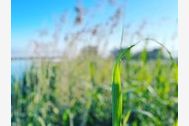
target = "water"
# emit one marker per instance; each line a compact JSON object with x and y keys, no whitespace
{"x":18,"y":67}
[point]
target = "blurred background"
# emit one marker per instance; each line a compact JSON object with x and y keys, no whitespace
{"x":63,"y":53}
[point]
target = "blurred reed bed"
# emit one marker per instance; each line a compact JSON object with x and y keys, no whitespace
{"x":76,"y":90}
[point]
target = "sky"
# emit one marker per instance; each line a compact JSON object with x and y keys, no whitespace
{"x":28,"y":16}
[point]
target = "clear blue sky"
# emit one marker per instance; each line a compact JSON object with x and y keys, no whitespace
{"x":28,"y":16}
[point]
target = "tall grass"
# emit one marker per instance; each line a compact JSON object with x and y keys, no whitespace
{"x":72,"y":92}
{"x":76,"y":90}
{"x":117,"y":89}
{"x":117,"y":86}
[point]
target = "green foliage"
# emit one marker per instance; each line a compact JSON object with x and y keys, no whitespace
{"x":77,"y":92}
{"x":117,"y":89}
{"x":116,"y":96}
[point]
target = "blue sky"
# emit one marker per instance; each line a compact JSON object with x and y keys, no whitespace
{"x":28,"y":16}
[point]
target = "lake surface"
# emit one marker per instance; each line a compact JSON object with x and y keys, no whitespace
{"x":18,"y":67}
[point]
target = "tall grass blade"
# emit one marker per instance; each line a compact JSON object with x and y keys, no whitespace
{"x":116,"y":89}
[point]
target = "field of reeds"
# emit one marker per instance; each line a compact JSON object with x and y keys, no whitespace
{"x":77,"y":92}
{"x":89,"y":85}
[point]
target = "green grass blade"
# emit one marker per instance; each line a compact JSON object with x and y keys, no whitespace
{"x":116,"y":96}
{"x":126,"y":118}
{"x":116,"y":89}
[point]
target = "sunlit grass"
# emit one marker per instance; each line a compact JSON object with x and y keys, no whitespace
{"x":78,"y":92}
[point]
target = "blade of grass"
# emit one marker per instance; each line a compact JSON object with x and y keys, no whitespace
{"x":126,"y":118}
{"x":116,"y":89}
